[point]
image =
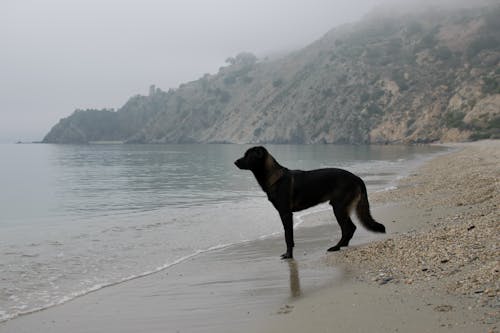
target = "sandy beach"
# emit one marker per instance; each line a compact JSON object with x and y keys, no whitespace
{"x":436,"y":270}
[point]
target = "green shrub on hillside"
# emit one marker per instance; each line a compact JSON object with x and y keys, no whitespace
{"x":482,"y":43}
{"x":454,"y":120}
{"x":491,"y":85}
{"x":443,"y":53}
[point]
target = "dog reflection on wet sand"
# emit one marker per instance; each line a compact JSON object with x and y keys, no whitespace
{"x":294,"y":279}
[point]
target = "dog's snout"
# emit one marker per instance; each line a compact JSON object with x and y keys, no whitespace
{"x":240,"y":164}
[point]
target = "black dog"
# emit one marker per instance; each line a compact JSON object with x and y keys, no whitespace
{"x":294,"y":190}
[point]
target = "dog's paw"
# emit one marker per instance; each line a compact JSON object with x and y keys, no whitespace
{"x":286,"y":256}
{"x":334,"y":248}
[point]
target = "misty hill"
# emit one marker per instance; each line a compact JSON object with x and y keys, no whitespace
{"x":390,"y":78}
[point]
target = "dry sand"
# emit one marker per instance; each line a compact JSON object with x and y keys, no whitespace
{"x":438,"y":269}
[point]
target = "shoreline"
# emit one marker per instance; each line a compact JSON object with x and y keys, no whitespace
{"x":220,"y":291}
{"x":245,"y":287}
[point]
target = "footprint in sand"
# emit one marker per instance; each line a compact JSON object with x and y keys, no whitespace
{"x":285,"y":309}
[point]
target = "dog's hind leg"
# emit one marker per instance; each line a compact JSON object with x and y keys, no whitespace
{"x":347,"y":227}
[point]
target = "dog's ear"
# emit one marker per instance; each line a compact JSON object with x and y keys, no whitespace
{"x":260,"y":152}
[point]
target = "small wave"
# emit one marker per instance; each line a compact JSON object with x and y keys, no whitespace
{"x":300,"y":217}
{"x":4,"y":316}
{"x":386,"y":189}
{"x":30,"y":255}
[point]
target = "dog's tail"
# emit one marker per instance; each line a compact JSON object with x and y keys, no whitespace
{"x":363,"y":212}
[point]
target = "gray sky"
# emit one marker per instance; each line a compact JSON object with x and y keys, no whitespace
{"x":59,"y":55}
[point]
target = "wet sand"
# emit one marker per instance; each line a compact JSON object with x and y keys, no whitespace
{"x":374,"y":286}
{"x":231,"y":289}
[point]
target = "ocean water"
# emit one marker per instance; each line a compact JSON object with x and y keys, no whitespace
{"x":77,"y":218}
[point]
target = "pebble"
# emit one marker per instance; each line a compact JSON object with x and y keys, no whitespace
{"x":443,"y":308}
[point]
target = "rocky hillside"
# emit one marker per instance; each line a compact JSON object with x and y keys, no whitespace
{"x":413,"y":77}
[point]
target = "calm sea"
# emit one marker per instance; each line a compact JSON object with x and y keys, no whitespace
{"x":74,"y":219}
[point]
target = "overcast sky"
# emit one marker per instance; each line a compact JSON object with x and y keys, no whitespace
{"x":59,"y":55}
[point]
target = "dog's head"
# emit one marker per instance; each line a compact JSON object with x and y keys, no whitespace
{"x":253,"y":159}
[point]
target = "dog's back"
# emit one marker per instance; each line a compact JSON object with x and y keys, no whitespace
{"x":321,"y":185}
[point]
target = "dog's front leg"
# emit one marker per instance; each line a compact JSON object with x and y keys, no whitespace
{"x":287,"y":220}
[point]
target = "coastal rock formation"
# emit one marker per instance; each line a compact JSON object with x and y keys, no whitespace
{"x":431,"y":75}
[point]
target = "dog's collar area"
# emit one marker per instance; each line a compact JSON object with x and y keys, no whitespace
{"x":273,"y":179}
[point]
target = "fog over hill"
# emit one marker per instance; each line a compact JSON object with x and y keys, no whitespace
{"x":399,"y":75}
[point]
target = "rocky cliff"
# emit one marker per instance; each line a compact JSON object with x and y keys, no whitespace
{"x":431,"y":75}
